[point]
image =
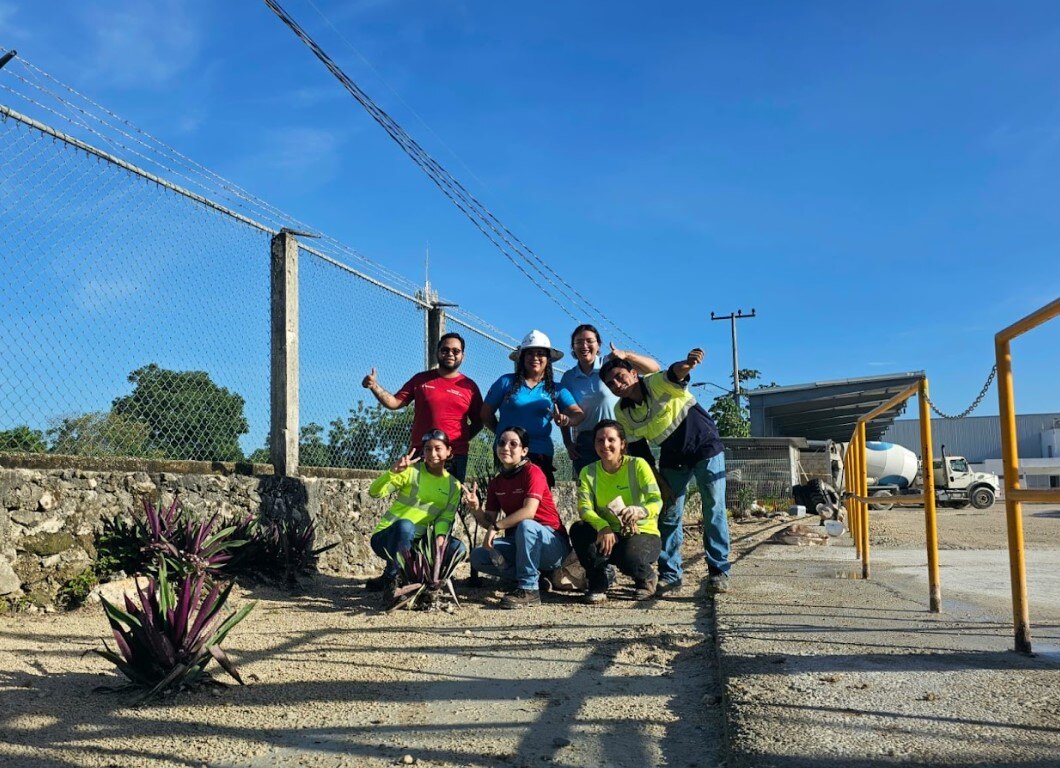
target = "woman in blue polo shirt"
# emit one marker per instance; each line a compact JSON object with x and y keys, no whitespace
{"x":595,"y":400}
{"x":529,"y":398}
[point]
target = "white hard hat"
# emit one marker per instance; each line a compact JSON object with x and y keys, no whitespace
{"x":535,"y":340}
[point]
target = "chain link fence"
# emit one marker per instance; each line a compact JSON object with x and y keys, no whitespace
{"x":135,"y":320}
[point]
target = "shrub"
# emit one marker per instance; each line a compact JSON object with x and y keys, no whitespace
{"x":74,"y":591}
{"x":425,"y":572}
{"x":166,"y":641}
{"x":276,"y":548}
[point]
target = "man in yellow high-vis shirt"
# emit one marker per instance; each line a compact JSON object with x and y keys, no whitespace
{"x":659,"y":408}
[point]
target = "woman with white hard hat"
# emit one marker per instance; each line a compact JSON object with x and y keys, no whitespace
{"x":529,"y":398}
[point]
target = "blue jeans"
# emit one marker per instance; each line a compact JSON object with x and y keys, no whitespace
{"x":399,"y":537}
{"x":532,"y":548}
{"x":710,"y":477}
{"x":586,"y":448}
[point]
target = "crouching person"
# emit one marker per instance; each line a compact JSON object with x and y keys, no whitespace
{"x":619,"y":503}
{"x":427,"y":497}
{"x":519,"y":504}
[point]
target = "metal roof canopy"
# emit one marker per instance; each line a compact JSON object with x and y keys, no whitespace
{"x":827,"y":410}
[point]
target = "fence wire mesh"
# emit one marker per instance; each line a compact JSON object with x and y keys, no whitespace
{"x":135,"y":320}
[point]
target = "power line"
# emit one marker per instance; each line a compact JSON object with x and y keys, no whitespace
{"x":513,"y":249}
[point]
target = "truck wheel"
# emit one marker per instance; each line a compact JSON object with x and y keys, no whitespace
{"x":982,"y":497}
{"x":882,"y":505}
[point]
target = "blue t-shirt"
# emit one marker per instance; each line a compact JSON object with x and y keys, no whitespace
{"x":592,"y":396}
{"x":528,"y":408}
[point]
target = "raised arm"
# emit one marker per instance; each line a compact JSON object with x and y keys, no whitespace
{"x":387,"y":400}
{"x":682,"y":368}
{"x":642,"y":363}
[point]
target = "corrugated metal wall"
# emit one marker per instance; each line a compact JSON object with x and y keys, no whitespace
{"x":977,"y":438}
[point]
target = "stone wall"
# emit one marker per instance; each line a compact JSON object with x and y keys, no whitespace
{"x":50,"y":514}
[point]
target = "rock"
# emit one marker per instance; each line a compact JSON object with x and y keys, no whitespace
{"x":408,"y":760}
{"x":9,"y":581}
{"x":46,"y":501}
{"x":114,"y":591}
{"x":45,"y":544}
{"x":50,"y":561}
{"x":559,"y":742}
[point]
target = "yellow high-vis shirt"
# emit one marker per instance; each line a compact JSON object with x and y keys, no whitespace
{"x":658,"y":416}
{"x":423,"y":499}
{"x":634,"y":482}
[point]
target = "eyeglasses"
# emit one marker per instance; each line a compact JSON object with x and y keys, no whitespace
{"x":436,"y":434}
{"x":450,"y":351}
{"x":584,"y":342}
{"x":535,"y":352}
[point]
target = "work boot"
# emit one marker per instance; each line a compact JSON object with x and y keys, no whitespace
{"x":718,"y":583}
{"x":669,"y":588}
{"x":544,"y":584}
{"x":646,"y":588}
{"x":521,"y":598}
{"x":376,"y":583}
{"x":388,"y":588}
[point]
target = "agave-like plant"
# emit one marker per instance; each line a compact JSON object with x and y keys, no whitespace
{"x":425,"y":572}
{"x":186,"y":545}
{"x":166,"y":641}
{"x":276,"y":548}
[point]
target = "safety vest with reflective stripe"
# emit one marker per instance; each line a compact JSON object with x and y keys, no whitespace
{"x":634,"y":482}
{"x":423,"y":499}
{"x":660,"y":413}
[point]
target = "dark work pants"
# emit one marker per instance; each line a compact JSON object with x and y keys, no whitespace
{"x":634,"y":555}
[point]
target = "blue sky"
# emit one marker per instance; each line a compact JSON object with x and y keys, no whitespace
{"x":878,"y":181}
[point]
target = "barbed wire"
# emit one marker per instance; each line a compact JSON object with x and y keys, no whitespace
{"x":975,"y":403}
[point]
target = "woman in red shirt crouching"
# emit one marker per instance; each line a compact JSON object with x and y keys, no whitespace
{"x":519,"y":502}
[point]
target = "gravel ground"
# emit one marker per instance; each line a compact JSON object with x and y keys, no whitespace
{"x":335,"y":682}
{"x":824,"y":669}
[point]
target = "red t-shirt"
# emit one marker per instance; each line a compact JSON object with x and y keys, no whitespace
{"x":446,"y":404}
{"x":508,"y":494}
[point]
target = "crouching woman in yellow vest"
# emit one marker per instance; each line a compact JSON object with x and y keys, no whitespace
{"x":619,"y":503}
{"x":427,"y":495}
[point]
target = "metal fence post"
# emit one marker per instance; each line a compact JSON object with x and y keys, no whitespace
{"x":931,"y":528}
{"x":283,"y":442}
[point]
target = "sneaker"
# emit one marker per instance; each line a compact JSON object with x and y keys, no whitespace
{"x":544,"y":584}
{"x":718,"y":583}
{"x":376,"y":583}
{"x":670,"y":587}
{"x":595,"y":598}
{"x":646,"y":588}
{"x":521,"y":598}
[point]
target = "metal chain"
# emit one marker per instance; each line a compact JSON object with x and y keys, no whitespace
{"x":975,"y":403}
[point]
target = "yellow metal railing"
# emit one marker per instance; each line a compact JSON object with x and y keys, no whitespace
{"x":1014,"y":495}
{"x":857,"y":489}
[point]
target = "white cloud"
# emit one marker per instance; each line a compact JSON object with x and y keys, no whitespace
{"x":138,"y":43}
{"x":298,"y":154}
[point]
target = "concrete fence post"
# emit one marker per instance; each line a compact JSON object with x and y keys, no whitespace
{"x":283,"y":442}
{"x":435,"y":329}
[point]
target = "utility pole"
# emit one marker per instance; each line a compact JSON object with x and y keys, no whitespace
{"x":732,"y":317}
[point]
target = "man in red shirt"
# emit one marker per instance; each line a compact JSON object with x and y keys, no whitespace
{"x":443,"y":399}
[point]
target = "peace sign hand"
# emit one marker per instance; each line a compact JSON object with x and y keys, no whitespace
{"x":561,"y":419}
{"x":404,"y":462}
{"x":369,"y":381}
{"x":470,"y":496}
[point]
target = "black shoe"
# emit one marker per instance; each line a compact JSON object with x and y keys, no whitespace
{"x":376,"y":583}
{"x":718,"y":583}
{"x":521,"y":598}
{"x":544,"y":584}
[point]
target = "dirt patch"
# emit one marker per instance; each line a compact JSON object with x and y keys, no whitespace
{"x":333,"y":681}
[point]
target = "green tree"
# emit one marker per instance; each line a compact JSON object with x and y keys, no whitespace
{"x":734,"y":420}
{"x":22,"y":439}
{"x":370,"y":437}
{"x":101,"y":434}
{"x":312,"y":450}
{"x":187,"y":415}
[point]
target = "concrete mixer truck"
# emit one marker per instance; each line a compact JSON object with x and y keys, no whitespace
{"x":894,"y":471}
